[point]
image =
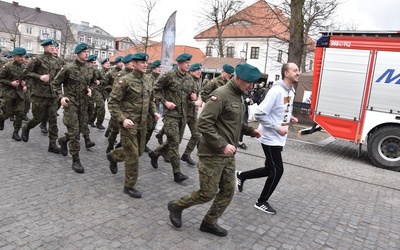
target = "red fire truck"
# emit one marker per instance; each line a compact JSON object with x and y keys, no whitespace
{"x":356,"y":91}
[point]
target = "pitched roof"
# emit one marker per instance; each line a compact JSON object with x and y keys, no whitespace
{"x":257,"y":20}
{"x":154,"y":52}
{"x":90,"y":29}
{"x":11,"y":13}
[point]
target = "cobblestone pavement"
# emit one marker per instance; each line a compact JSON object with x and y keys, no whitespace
{"x":327,"y":199}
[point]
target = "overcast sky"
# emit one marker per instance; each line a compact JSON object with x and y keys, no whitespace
{"x":116,"y":17}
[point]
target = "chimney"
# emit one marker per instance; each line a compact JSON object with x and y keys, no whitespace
{"x":85,"y":23}
{"x":38,"y":10}
{"x":15,"y":4}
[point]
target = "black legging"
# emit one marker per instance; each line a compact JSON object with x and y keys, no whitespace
{"x":273,"y":169}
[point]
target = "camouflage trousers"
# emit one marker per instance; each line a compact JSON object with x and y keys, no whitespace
{"x":44,"y":108}
{"x":113,"y":127}
{"x":10,"y":106}
{"x":173,"y":129}
{"x":195,"y":135}
{"x":132,"y":148}
{"x":151,"y":126}
{"x":75,"y":119}
{"x":99,"y":111}
{"x":27,"y":101}
{"x":217,"y":179}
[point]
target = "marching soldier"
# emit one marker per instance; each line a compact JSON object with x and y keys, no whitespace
{"x":174,"y":90}
{"x":12,"y":88}
{"x":99,"y":96}
{"x":219,"y":124}
{"x":41,"y":70}
{"x":131,"y":100}
{"x":76,"y":79}
{"x":221,"y":80}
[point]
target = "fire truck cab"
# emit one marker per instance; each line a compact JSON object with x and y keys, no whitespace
{"x":356,"y":91}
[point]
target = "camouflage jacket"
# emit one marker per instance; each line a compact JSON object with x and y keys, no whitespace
{"x":8,"y":73}
{"x":75,"y":78}
{"x":221,"y":120}
{"x":132,"y":98}
{"x":175,"y":87}
{"x":40,"y":65}
{"x":211,"y":86}
{"x":192,"y":109}
{"x":99,"y":88}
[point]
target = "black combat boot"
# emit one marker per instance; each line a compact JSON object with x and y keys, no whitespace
{"x":43,"y":128}
{"x":132,"y":192}
{"x":154,"y":159}
{"x":54,"y":148}
{"x":25,"y":133}
{"x":25,"y":118}
{"x":179,"y":177}
{"x":186,"y":158}
{"x":175,"y":215}
{"x":77,"y":167}
{"x":63,"y":145}
{"x":89,"y":143}
{"x":159,"y":138}
{"x":213,"y":229}
{"x":1,"y":124}
{"x":113,"y":164}
{"x":12,"y":118}
{"x":15,"y":136}
{"x":107,"y":133}
{"x":100,"y":126}
{"x":166,"y":157}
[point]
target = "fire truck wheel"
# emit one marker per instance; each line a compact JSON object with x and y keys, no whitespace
{"x":384,"y":147}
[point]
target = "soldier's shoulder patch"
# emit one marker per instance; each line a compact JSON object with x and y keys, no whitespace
{"x":213,"y":98}
{"x":120,"y":82}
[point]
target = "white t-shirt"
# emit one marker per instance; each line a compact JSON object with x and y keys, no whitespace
{"x":273,"y":112}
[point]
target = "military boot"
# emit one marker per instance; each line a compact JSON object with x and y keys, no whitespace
{"x":25,"y":118}
{"x":54,"y":148}
{"x":89,"y":143}
{"x":179,"y":177}
{"x":12,"y":118}
{"x":43,"y":128}
{"x":100,"y":126}
{"x":25,"y":133}
{"x":63,"y":146}
{"x":1,"y":124}
{"x":113,"y":164}
{"x":77,"y":167}
{"x":186,"y":158}
{"x":159,"y":138}
{"x":107,"y":133}
{"x":166,"y":157}
{"x":154,"y":159}
{"x":15,"y":136}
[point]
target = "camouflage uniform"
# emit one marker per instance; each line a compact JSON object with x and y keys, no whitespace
{"x":151,"y":122}
{"x":131,"y":98}
{"x":220,"y":124}
{"x":113,"y":127}
{"x":174,"y":87}
{"x":76,"y":78}
{"x":44,"y":100}
{"x":11,"y":98}
{"x":211,"y":86}
{"x":98,"y":97}
{"x":192,"y":124}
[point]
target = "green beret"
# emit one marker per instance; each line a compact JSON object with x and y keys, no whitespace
{"x":47,"y":42}
{"x":139,"y":56}
{"x":9,"y":55}
{"x":247,"y":72}
{"x":118,"y":59}
{"x":27,"y":55}
{"x":91,"y":58}
{"x":228,"y":68}
{"x":56,"y":44}
{"x":81,"y":47}
{"x":126,"y":58}
{"x":105,"y":60}
{"x":195,"y":66}
{"x":155,"y":64}
{"x":184,"y":57}
{"x":19,"y":51}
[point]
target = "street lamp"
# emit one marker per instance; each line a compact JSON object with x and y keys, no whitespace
{"x":243,"y":52}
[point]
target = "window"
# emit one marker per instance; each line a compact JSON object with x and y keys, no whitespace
{"x":230,"y":52}
{"x":110,"y":54}
{"x":208,"y":51}
{"x":110,"y":44}
{"x":29,"y":30}
{"x":82,"y":38}
{"x":3,"y":42}
{"x":97,"y":41}
{"x":43,"y":34}
{"x":254,"y":52}
{"x":276,"y":77}
{"x":29,"y":46}
{"x":310,"y":67}
{"x":279,"y":55}
{"x":53,"y":34}
{"x":89,"y":40}
{"x":103,"y":54}
{"x":103,"y":42}
{"x":96,"y":52}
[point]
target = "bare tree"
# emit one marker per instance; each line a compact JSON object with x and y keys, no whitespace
{"x":11,"y":18}
{"x":141,"y":31}
{"x":67,"y":38}
{"x":219,"y":13}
